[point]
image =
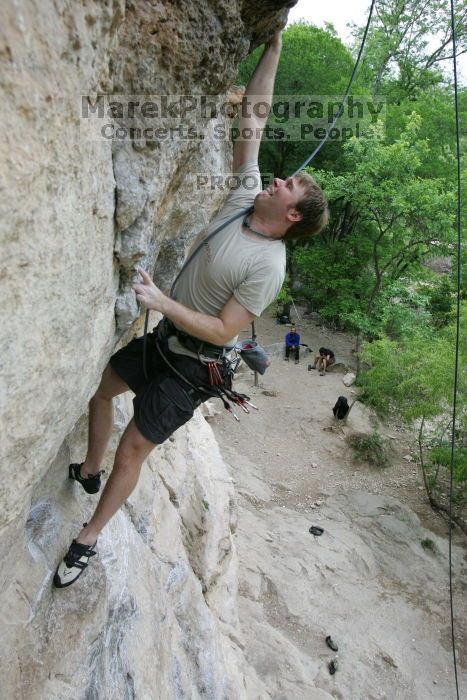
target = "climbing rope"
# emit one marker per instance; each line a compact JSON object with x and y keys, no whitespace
{"x":344,"y":97}
{"x":456,"y":361}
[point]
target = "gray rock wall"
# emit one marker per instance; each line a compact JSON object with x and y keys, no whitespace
{"x":156,"y":617}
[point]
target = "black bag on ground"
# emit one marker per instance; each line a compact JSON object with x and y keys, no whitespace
{"x":341,"y":408}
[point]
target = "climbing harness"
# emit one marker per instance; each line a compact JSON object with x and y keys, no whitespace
{"x":221,"y":372}
{"x":220,"y":369}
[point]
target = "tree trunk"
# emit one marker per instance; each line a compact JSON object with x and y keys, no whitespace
{"x":436,"y":505}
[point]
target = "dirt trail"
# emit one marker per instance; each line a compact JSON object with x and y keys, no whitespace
{"x":291,"y":435}
{"x":292,"y":470}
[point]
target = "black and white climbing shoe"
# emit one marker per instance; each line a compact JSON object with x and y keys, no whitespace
{"x":74,"y":563}
{"x":90,"y":483}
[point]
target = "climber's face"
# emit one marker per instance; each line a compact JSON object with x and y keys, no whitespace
{"x":278,"y":201}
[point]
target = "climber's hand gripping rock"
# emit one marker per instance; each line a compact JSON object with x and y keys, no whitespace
{"x":148,"y":294}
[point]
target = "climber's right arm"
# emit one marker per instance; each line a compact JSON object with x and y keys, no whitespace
{"x":217,"y":330}
{"x":259,"y":90}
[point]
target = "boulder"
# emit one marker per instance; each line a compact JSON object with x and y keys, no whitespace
{"x":348,"y":379}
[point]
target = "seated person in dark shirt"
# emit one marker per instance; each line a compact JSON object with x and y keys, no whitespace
{"x":324,"y":359}
{"x":292,"y":342}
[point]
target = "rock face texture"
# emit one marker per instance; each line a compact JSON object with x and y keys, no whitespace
{"x":156,"y":617}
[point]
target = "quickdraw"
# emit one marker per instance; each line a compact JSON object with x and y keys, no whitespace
{"x":215,"y":377}
{"x":228,"y":395}
{"x":221,"y":372}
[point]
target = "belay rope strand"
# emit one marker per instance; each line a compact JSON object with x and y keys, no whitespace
{"x":344,"y":96}
{"x":456,"y":361}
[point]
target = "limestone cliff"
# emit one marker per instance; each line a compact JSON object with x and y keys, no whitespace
{"x":156,"y":617}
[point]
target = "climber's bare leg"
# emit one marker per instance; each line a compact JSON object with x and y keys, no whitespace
{"x":101,"y":419}
{"x":131,"y":453}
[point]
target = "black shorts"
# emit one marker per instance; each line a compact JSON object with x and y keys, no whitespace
{"x":163,"y":402}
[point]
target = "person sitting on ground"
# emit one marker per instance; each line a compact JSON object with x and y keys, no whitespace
{"x":233,"y":279}
{"x":292,"y":342}
{"x":323,"y":360}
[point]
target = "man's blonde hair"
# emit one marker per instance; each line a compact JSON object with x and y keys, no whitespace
{"x":313,"y":207}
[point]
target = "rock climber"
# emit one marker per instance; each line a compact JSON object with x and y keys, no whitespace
{"x":237,"y":274}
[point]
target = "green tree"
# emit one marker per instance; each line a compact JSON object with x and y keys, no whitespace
{"x":386,"y":219}
{"x":415,"y":377}
{"x":435,"y":107}
{"x":409,"y":44}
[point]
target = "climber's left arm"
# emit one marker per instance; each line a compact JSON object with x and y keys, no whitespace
{"x":259,"y":90}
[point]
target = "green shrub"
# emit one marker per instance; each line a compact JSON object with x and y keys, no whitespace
{"x":428,"y":545}
{"x":370,"y":447}
{"x":440,"y":455}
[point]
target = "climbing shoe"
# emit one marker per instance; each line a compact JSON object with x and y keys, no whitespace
{"x":316,"y":530}
{"x":74,"y":563}
{"x":91,"y":483}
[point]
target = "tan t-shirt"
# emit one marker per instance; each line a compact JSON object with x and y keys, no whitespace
{"x":250,"y":268}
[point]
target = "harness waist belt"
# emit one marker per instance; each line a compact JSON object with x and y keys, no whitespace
{"x":193,"y":344}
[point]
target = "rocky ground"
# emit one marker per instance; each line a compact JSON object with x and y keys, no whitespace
{"x":368,"y":581}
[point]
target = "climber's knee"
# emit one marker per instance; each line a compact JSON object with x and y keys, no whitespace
{"x":111,"y":385}
{"x":133,"y":448}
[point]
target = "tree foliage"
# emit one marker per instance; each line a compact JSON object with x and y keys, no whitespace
{"x":392,"y":198}
{"x":409,"y":43}
{"x":415,"y":377}
{"x":386,"y":218}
